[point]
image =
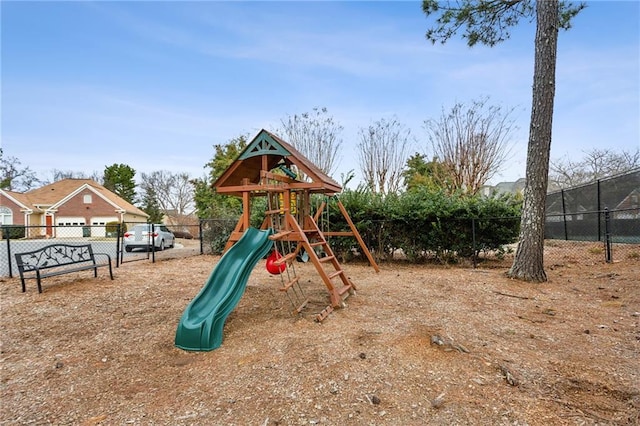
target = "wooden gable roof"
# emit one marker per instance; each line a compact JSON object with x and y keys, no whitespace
{"x":265,"y":152}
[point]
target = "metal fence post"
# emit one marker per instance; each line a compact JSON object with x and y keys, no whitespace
{"x":6,"y":233}
{"x":599,"y":211}
{"x":607,"y":235}
{"x":200,"y":233}
{"x":118,"y":254}
{"x":473,"y":233}
{"x":152,"y":240}
{"x":564,"y":216}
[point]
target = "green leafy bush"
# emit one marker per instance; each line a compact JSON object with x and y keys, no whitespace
{"x":425,"y":224}
{"x":216,"y":232}
{"x":13,"y":232}
{"x":111,"y":229}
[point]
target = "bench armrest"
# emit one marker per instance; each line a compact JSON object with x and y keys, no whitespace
{"x":103,"y":254}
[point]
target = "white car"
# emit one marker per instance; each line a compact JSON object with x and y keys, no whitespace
{"x":145,"y":236}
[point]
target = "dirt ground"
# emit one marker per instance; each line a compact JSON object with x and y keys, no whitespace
{"x":417,"y":344}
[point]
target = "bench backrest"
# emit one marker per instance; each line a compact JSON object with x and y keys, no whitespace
{"x":54,"y":255}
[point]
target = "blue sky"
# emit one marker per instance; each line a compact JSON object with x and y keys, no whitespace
{"x":156,"y":84}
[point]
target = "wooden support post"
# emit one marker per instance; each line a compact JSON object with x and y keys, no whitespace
{"x":246,"y":209}
{"x":356,"y":234}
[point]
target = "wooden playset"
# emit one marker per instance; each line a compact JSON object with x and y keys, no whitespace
{"x":269,"y":167}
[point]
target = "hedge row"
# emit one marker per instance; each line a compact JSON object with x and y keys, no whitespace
{"x":420,"y":224}
{"x":423,"y":224}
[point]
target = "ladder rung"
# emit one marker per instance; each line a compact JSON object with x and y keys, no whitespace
{"x":290,"y":284}
{"x":344,"y":290}
{"x":335,"y":274}
{"x":318,"y":243}
{"x":274,"y":211}
{"x":286,"y":258}
{"x":279,"y":235}
{"x":325,"y":313}
{"x":301,"y":307}
{"x":326,"y":259}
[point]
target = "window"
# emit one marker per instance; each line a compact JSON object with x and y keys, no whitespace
{"x":6,"y":216}
{"x":87,"y":199}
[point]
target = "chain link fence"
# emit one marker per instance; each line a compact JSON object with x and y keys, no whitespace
{"x":187,"y":241}
{"x":578,"y":214}
{"x":214,"y":234}
{"x":21,"y":239}
{"x":104,"y":239}
{"x":594,"y":221}
{"x":573,"y":236}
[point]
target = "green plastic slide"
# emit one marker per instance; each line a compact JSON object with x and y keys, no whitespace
{"x":201,"y":324}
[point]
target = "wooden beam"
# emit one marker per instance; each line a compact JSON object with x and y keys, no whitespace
{"x":356,"y":234}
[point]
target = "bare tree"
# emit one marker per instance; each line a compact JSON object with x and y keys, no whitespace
{"x":173,"y":192}
{"x":471,"y":143}
{"x":14,"y":177}
{"x":316,"y":135}
{"x":596,"y":164}
{"x":382,"y":153}
{"x":57,"y":175}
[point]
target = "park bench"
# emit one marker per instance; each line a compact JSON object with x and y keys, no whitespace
{"x":58,"y":259}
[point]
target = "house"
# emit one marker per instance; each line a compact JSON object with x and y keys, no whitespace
{"x":68,"y":202}
{"x":516,"y":187}
{"x":629,"y":207}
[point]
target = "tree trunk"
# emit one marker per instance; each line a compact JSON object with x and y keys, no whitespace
{"x":528,"y":263}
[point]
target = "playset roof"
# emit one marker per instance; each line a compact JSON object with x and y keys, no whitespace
{"x":267,"y":152}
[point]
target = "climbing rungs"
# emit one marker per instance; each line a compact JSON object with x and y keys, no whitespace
{"x":325,"y":313}
{"x":318,"y":243}
{"x":284,"y":259}
{"x":326,"y":259}
{"x":279,"y":235}
{"x":290,"y":284}
{"x":335,"y":274}
{"x":345,"y":289}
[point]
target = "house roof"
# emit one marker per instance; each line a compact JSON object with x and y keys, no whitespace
{"x":17,"y":197}
{"x":58,"y":192}
{"x":267,"y":151}
{"x":629,"y":202}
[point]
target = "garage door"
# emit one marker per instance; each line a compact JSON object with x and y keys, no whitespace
{"x":98,"y":225}
{"x":69,"y":227}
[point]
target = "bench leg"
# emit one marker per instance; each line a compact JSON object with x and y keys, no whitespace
{"x":39,"y":282}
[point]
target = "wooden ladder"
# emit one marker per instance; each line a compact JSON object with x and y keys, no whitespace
{"x":339,"y":285}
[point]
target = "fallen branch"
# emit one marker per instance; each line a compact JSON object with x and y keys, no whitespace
{"x":512,"y":295}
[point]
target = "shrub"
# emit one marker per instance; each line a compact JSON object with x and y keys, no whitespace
{"x":111,"y":229}
{"x":13,"y":232}
{"x":216,"y":232}
{"x":426,"y":223}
